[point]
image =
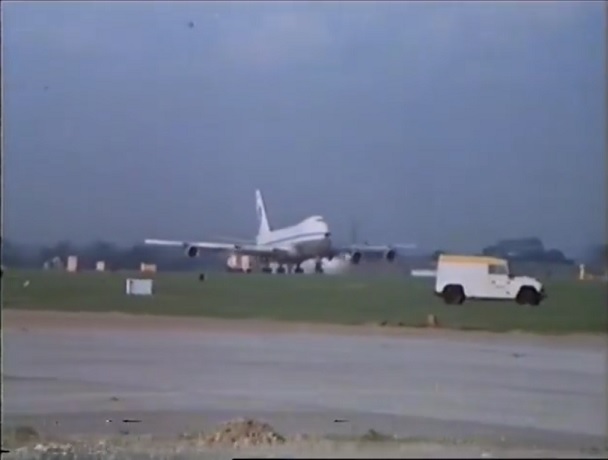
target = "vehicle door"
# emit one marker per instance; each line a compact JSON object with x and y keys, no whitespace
{"x":498,"y":275}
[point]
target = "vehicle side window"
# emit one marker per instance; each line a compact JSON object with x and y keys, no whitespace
{"x":497,"y":269}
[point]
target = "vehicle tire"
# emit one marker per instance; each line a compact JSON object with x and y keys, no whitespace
{"x":535,"y":300}
{"x":521,"y":297}
{"x":528,"y":296}
{"x":453,"y":294}
{"x":281,"y":270}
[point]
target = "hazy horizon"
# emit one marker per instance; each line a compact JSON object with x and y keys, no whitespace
{"x":445,"y":124}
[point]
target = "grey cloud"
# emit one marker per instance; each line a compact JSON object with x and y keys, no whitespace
{"x":410,"y":114}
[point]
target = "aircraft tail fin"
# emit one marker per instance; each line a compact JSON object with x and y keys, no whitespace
{"x":264,"y":225}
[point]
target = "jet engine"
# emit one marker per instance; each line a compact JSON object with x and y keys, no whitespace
{"x":355,"y":257}
{"x":390,"y":255}
{"x":191,"y":251}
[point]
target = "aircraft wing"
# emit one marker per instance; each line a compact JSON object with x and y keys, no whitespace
{"x":192,"y":247}
{"x":235,"y":240}
{"x":389,"y":251}
{"x":372,"y":248}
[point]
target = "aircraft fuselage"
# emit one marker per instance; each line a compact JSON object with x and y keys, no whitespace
{"x":308,"y":239}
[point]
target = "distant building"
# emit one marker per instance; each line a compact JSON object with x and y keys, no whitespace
{"x":147,"y":268}
{"x":72,"y":265}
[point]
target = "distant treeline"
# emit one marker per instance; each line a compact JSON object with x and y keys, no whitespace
{"x":526,"y":250}
{"x":532,"y":250}
{"x":115,"y":257}
{"x":522,"y":250}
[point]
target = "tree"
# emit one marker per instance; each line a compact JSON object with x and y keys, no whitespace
{"x":600,"y":253}
{"x":12,"y":254}
{"x":100,"y":251}
{"x":63,"y":249}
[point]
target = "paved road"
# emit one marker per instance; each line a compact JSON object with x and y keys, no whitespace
{"x":301,"y":382}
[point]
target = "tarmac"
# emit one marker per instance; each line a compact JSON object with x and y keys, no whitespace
{"x":72,"y":380}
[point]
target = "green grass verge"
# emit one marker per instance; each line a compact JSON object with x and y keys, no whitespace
{"x":571,"y":306}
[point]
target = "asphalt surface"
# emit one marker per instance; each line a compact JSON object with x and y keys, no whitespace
{"x":77,"y":380}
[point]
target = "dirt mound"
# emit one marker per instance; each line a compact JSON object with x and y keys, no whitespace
{"x":245,"y":432}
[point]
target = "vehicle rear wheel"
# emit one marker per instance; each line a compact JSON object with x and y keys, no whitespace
{"x":453,"y":295}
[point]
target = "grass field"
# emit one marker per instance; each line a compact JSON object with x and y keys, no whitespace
{"x":571,"y":306}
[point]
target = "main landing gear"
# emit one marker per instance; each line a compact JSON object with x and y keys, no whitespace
{"x":297,"y":269}
{"x":318,"y":267}
{"x":290,"y":269}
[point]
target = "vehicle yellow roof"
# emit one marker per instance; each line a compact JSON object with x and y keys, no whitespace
{"x":464,"y":259}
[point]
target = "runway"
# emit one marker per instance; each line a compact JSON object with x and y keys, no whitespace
{"x":74,"y":380}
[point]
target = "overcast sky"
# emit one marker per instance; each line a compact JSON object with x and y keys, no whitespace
{"x":446,"y":124}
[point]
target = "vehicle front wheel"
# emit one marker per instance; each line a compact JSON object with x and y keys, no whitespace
{"x":528,"y":296}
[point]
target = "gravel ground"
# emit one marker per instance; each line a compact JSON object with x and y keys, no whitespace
{"x":436,"y":394}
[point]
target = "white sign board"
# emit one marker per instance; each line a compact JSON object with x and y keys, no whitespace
{"x":72,"y":263}
{"x":138,"y":287}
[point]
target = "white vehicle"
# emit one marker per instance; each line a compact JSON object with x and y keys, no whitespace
{"x":308,"y":239}
{"x":474,"y":277}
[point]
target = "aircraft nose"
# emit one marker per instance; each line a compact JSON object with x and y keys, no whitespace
{"x":325,"y":229}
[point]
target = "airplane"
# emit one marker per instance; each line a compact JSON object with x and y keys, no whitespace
{"x":291,"y":246}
